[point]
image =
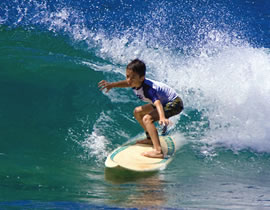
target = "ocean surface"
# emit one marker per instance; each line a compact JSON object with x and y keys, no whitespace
{"x":57,"y":127}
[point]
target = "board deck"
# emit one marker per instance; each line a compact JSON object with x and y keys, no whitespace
{"x":129,"y":156}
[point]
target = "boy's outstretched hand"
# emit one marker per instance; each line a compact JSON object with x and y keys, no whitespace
{"x":105,"y":85}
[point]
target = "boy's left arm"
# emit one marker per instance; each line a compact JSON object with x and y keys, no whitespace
{"x":162,"y":119}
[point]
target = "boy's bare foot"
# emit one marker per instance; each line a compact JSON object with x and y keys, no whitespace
{"x":153,"y":154}
{"x":144,"y":141}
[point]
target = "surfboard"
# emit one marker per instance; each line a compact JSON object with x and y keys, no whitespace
{"x":128,"y":156}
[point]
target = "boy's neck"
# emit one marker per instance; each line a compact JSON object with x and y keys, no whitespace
{"x":137,"y":88}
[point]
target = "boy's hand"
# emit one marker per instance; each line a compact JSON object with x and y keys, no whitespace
{"x":105,"y":85}
{"x":164,"y":122}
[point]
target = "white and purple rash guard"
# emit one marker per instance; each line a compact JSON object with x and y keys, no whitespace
{"x":151,"y":90}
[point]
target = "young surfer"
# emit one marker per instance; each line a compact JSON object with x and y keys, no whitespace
{"x":163,"y":103}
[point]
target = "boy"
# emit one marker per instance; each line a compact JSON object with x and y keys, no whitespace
{"x":163,"y":103}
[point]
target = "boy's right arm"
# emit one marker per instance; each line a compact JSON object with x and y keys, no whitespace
{"x":109,"y":85}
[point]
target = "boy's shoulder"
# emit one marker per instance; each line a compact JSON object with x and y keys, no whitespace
{"x":149,"y":84}
{"x":153,"y":83}
{"x":148,"y":81}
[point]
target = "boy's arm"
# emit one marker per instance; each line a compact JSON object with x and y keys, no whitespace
{"x":109,"y":85}
{"x":162,"y":119}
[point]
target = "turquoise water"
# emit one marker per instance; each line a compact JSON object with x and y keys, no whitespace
{"x":57,"y":127}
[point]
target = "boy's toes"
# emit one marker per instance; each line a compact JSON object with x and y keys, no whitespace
{"x":153,"y":154}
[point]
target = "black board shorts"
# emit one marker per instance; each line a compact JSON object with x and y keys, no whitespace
{"x":173,"y":108}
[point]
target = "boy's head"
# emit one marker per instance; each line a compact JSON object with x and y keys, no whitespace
{"x":137,"y":66}
{"x":135,"y":73}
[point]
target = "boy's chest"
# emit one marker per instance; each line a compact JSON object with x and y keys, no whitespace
{"x":140,"y":93}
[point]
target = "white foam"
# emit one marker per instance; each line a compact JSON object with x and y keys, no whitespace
{"x":96,"y":141}
{"x":95,"y":145}
{"x":235,"y":84}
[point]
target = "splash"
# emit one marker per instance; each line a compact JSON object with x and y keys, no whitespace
{"x":96,"y":141}
{"x":234,"y":96}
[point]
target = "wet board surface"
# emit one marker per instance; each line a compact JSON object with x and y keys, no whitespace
{"x":129,"y":156}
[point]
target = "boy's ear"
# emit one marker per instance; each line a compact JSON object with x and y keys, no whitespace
{"x":142,"y":78}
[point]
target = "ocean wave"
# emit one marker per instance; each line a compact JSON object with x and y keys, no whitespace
{"x":204,"y":51}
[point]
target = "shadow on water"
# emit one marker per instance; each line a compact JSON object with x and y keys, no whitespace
{"x":135,"y":189}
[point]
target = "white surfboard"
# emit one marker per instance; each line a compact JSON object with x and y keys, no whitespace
{"x":129,"y":156}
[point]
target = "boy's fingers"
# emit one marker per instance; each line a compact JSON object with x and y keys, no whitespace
{"x":101,"y":83}
{"x":164,"y":123}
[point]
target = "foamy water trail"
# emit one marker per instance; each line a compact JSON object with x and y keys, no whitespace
{"x":96,"y":141}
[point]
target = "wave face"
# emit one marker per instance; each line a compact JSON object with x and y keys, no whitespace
{"x":54,"y":52}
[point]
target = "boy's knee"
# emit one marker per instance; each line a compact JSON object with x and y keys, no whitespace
{"x":137,"y":111}
{"x":147,"y":119}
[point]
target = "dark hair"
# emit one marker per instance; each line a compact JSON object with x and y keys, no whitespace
{"x":137,"y":66}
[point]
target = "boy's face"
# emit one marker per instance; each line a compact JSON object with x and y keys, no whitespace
{"x":133,"y":79}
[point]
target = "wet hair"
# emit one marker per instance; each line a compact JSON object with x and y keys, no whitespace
{"x":137,"y":66}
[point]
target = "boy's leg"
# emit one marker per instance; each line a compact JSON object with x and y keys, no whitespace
{"x":146,"y":115}
{"x":148,"y":121}
{"x":139,"y":113}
